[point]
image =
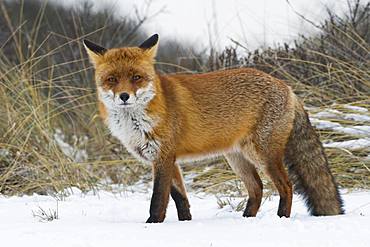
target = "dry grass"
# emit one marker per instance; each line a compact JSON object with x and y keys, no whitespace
{"x":33,"y":157}
{"x":50,"y":135}
{"x":51,"y":138}
{"x":328,"y":70}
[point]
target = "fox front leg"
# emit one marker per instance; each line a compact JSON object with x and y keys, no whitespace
{"x":178,"y":194}
{"x":163,"y":170}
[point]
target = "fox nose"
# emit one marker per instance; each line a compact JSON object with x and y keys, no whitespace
{"x":124,"y":96}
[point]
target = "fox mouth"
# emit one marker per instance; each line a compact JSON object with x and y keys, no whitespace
{"x":125,"y":104}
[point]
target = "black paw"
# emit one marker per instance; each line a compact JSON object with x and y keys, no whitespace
{"x":248,"y":212}
{"x":282,"y":213}
{"x":248,"y":215}
{"x":154,"y":219}
{"x":184,"y":215}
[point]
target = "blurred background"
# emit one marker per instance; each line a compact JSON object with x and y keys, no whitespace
{"x":52,"y":139}
{"x":215,"y":23}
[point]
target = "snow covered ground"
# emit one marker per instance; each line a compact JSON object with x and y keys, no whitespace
{"x":357,"y":125}
{"x":107,"y":219}
{"x":110,"y":219}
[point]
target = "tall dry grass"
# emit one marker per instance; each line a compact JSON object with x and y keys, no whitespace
{"x":51,"y":138}
{"x":329,"y":69}
{"x":50,"y":135}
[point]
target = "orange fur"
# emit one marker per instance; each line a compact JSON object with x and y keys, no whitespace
{"x":243,"y":113}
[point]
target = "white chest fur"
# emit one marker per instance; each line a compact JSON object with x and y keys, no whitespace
{"x":132,"y":127}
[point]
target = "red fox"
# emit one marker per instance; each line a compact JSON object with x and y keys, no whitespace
{"x":247,"y":115}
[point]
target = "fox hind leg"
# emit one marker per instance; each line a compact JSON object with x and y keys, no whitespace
{"x":272,"y":161}
{"x":279,"y":177}
{"x":248,"y":174}
{"x":266,"y":146}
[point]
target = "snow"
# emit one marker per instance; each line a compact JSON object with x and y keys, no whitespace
{"x":324,"y":124}
{"x":110,"y":219}
{"x":328,"y":113}
{"x":335,"y":114}
{"x":358,"y":130}
{"x":351,"y":144}
{"x":356,"y":108}
{"x":355,"y":130}
{"x":357,"y":117}
{"x":4,"y":152}
{"x":352,"y":130}
{"x":73,"y":152}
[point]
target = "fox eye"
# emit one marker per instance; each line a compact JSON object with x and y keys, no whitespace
{"x":136,"y":77}
{"x":112,"y":79}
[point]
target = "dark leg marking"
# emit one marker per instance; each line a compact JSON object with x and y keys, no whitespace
{"x":182,"y":204}
{"x":160,"y":197}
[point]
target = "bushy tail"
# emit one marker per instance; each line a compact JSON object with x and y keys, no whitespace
{"x":308,"y":168}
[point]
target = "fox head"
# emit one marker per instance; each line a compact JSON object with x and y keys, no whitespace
{"x":125,"y":77}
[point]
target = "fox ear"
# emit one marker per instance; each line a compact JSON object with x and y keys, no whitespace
{"x":150,"y":45}
{"x":93,"y":50}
